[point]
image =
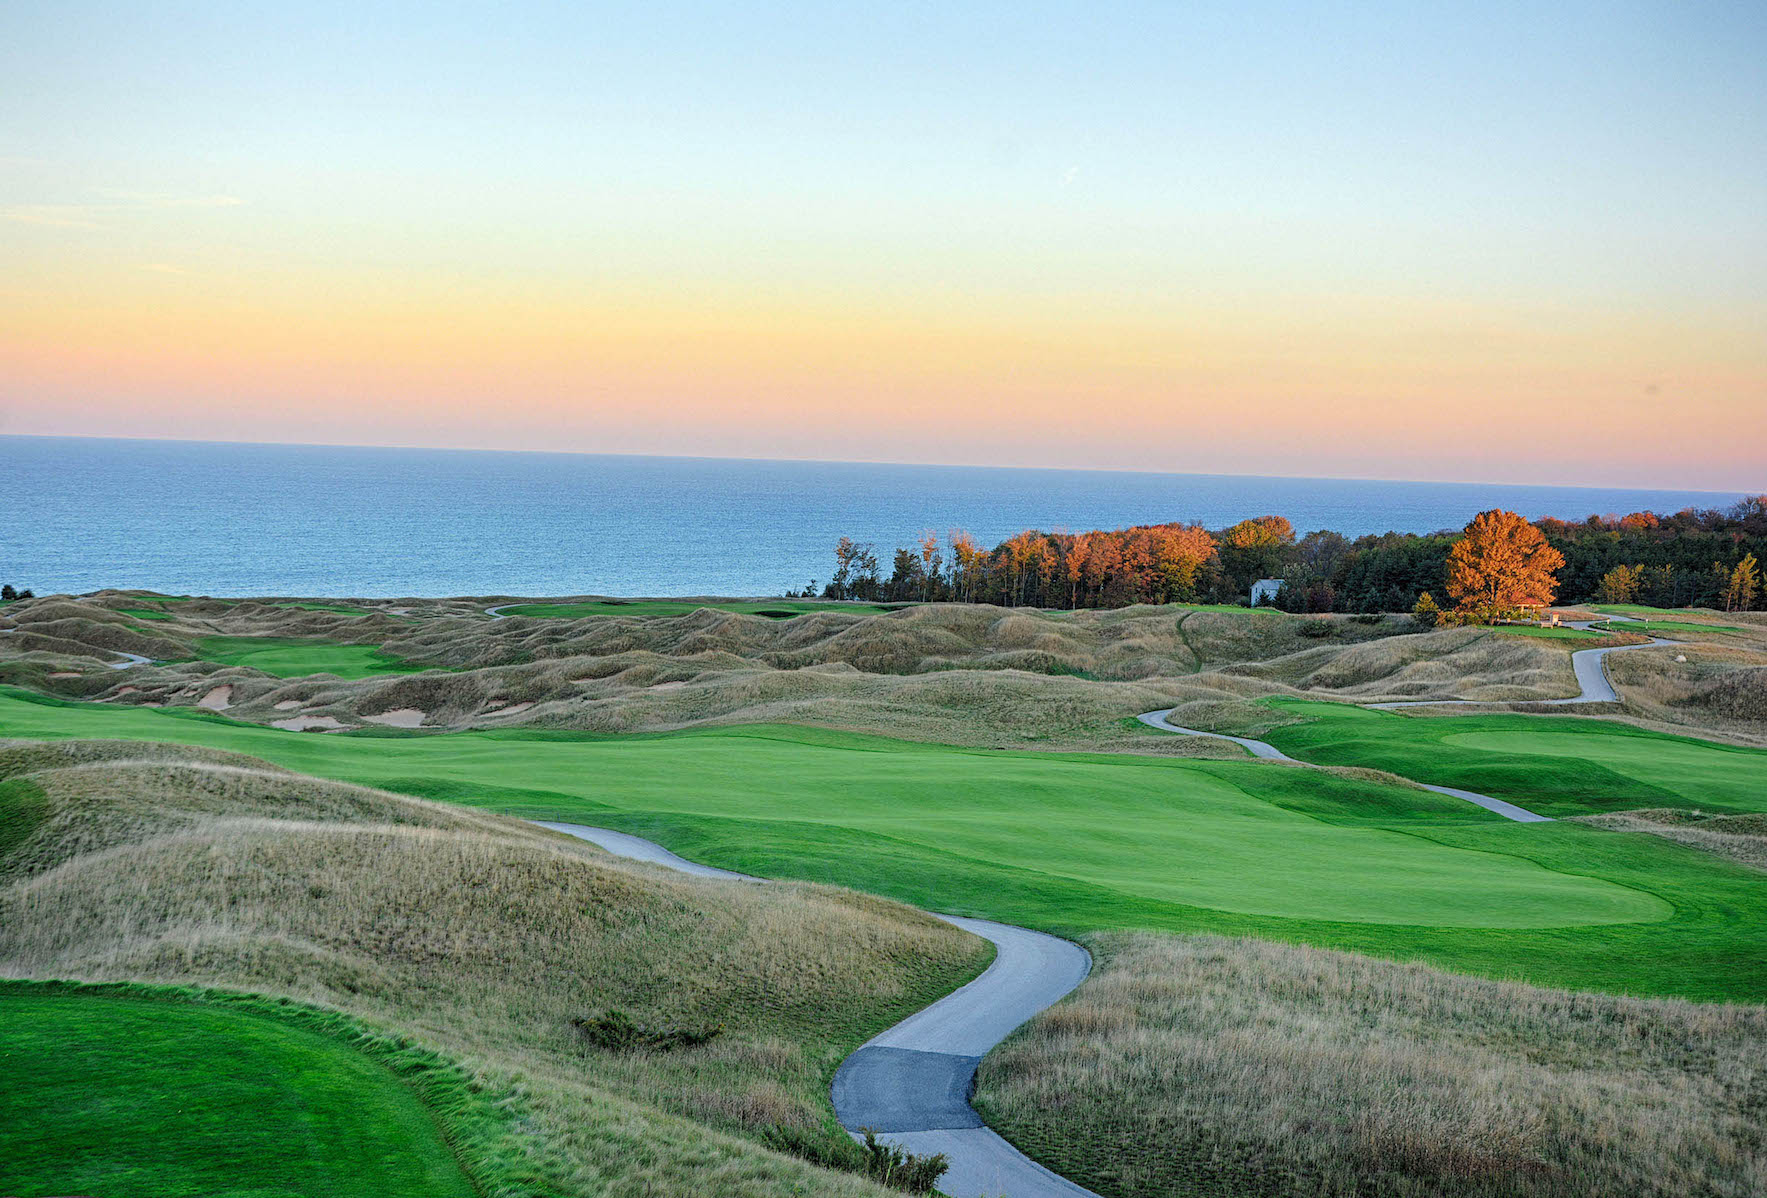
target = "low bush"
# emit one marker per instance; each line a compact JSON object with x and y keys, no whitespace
{"x":900,"y":1168}
{"x":617,"y":1031}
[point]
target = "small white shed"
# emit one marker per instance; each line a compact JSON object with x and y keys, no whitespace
{"x":1264,"y":591}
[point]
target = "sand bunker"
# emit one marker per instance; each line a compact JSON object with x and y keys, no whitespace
{"x":667,"y":686}
{"x":65,"y":674}
{"x":219,"y":699}
{"x":128,"y":690}
{"x":399,"y":717}
{"x":515,"y":710}
{"x":288,"y":705}
{"x":301,"y":723}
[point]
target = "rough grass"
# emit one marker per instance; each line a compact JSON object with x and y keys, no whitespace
{"x":485,"y":939}
{"x":1206,"y":1066}
{"x":961,"y":674}
{"x":773,"y":609}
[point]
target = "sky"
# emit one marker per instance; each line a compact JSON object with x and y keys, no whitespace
{"x":1492,"y":242}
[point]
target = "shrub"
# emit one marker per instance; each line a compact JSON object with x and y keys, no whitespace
{"x":617,"y":1031}
{"x":902,"y":1169}
{"x":1426,"y":612}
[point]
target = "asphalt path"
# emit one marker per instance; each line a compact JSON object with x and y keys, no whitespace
{"x":911,"y":1084}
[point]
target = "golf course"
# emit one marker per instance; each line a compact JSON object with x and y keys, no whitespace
{"x":1072,"y":842}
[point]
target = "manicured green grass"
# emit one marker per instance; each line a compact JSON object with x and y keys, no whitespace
{"x":1557,"y":765}
{"x":142,"y":613}
{"x":1551,"y":634}
{"x":1639,"y":609}
{"x":296,"y":657}
{"x":1073,"y":843}
{"x":336,"y":607}
{"x":1643,"y":625}
{"x":109,"y":1092}
{"x":779,"y":609}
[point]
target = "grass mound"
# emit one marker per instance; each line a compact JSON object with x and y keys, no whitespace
{"x":1205,"y":1066}
{"x":485,"y":938}
{"x":154,"y":1094}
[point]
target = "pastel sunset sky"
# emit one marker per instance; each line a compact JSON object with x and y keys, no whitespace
{"x":1494,"y":242}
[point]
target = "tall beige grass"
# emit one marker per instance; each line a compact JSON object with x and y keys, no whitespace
{"x":1208,"y":1066}
{"x":484,"y":938}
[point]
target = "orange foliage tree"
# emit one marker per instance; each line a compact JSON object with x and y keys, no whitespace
{"x":1502,"y":563}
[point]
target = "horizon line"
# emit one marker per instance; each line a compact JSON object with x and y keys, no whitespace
{"x":587,"y":453}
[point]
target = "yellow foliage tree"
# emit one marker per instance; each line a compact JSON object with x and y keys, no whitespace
{"x":1502,"y":563}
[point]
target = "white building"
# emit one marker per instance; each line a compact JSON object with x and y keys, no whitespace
{"x":1264,"y":591}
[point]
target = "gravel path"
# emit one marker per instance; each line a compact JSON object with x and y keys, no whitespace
{"x":911,"y":1084}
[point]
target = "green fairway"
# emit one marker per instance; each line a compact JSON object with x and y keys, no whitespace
{"x":1551,"y":634}
{"x":112,"y":1093}
{"x":778,"y":609}
{"x":1073,"y":842}
{"x":1641,"y":624}
{"x":1556,"y":765}
{"x":1639,"y":609}
{"x":296,"y":657}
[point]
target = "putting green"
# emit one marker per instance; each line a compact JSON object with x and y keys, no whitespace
{"x":1071,"y":842}
{"x":1558,"y":765}
{"x":108,"y":1094}
{"x":296,"y":657}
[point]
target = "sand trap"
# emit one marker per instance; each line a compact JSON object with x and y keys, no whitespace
{"x":667,"y":686}
{"x":219,"y":699}
{"x":516,"y":710}
{"x":301,"y":723}
{"x":399,"y":717}
{"x":288,"y":705}
{"x":65,"y":674}
{"x":129,"y":690}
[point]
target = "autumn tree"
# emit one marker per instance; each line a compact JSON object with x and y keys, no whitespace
{"x":965,"y":556}
{"x":1500,"y":564}
{"x":1741,"y":583}
{"x":1619,"y":585}
{"x":1426,"y":611}
{"x":932,"y":564}
{"x":1254,"y":549}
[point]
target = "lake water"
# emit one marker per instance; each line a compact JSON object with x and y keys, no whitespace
{"x":240,"y":520}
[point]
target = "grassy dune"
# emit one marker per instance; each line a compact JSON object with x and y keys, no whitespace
{"x":1550,"y":764}
{"x":130,"y":1090}
{"x":1205,"y":1066}
{"x":485,"y":940}
{"x":1073,"y":843}
{"x":774,"y":609}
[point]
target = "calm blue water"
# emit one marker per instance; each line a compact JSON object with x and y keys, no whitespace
{"x":185,"y":516}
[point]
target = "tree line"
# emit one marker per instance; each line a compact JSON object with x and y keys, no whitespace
{"x":1694,"y":557}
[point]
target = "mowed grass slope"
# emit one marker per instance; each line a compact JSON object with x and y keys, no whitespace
{"x":1192,"y":1066}
{"x":485,"y":940}
{"x":119,"y":1092}
{"x":1075,"y":843}
{"x":296,"y":657}
{"x":1556,"y":765}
